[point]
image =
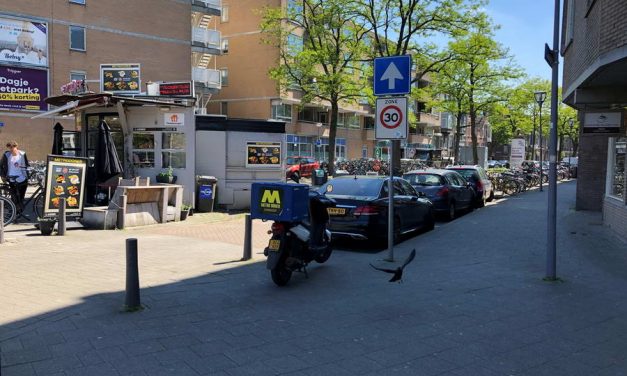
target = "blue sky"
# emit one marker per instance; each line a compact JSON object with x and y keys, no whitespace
{"x":526,"y":25}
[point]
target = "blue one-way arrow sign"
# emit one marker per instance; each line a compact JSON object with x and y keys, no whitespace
{"x":392,"y":75}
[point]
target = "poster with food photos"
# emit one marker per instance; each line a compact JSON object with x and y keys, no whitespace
{"x":65,"y":178}
{"x":120,"y":78}
{"x":263,"y":154}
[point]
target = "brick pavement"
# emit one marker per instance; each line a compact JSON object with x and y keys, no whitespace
{"x":472,"y":303}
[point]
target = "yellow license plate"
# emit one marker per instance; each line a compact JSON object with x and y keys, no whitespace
{"x":336,"y":211}
{"x":274,"y":245}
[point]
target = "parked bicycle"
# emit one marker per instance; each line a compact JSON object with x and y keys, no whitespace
{"x":14,"y":208}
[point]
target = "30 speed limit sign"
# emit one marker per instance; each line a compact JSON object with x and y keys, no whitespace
{"x":391,"y":120}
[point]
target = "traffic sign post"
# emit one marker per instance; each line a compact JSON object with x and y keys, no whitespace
{"x":392,"y":75}
{"x":391,"y":119}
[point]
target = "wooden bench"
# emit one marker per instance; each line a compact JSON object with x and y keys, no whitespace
{"x":140,"y":203}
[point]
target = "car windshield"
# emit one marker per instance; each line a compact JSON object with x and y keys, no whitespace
{"x":424,"y":179}
{"x":353,"y":187}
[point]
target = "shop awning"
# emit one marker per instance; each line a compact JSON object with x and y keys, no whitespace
{"x":68,"y":106}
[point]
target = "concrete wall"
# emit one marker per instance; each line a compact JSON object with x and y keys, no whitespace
{"x":591,"y":172}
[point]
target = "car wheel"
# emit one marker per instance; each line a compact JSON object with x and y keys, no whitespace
{"x":452,"y":211}
{"x":480,"y":202}
{"x":491,"y":198}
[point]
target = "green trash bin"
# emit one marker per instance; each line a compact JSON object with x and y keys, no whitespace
{"x":205,"y":193}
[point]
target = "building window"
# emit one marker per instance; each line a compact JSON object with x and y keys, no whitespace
{"x":224,"y":108}
{"x":341,"y":120}
{"x":173,"y":150}
{"x":352,"y":121}
{"x":225,"y":46}
{"x":225,"y":14}
{"x":569,"y":23}
{"x":82,"y":2}
{"x":143,"y":150}
{"x":368,"y":122}
{"x":616,"y":167}
{"x":282,"y":111}
{"x":78,"y":76}
{"x":77,"y":38}
{"x":224,"y":76}
{"x":295,"y":10}
{"x":299,"y":145}
{"x":294,"y":44}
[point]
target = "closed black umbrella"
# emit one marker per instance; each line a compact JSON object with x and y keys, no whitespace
{"x":106,"y":161}
{"x":57,"y":141}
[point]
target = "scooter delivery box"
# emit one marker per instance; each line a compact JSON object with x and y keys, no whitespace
{"x":279,"y":201}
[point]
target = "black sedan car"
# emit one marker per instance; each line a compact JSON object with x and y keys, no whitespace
{"x":362,"y":208}
{"x":448,"y":190}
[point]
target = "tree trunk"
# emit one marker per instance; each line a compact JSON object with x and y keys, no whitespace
{"x":332,"y":134}
{"x":458,"y":131}
{"x":473,"y":118}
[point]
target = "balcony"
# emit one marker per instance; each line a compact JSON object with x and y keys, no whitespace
{"x":212,"y":7}
{"x":207,"y":38}
{"x":208,"y":78}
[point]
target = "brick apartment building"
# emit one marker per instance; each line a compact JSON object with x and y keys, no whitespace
{"x":44,"y":44}
{"x":248,"y":92}
{"x":594,"y":46}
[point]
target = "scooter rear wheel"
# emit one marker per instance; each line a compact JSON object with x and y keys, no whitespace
{"x":280,"y":274}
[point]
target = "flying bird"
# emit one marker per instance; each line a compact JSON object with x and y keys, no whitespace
{"x":398,"y":272}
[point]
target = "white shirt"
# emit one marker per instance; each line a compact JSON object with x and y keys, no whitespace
{"x":17,"y":165}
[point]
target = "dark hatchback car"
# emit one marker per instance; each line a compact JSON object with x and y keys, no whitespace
{"x":361,"y":210}
{"x":448,"y":190}
{"x":476,"y":175}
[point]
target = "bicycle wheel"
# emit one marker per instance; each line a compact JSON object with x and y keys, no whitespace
{"x":38,"y":205}
{"x":9,"y":211}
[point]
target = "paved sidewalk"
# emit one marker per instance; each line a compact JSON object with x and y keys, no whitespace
{"x":472,"y":303}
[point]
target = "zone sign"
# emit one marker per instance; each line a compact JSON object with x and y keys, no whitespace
{"x":391,"y":119}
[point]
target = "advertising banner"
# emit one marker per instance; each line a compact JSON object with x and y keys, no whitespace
{"x":183,"y":89}
{"x":263,"y":154}
{"x":120,"y":78}
{"x":23,"y":42}
{"x":65,"y":178}
{"x":171,"y":118}
{"x":23,"y":89}
{"x":517,"y":154}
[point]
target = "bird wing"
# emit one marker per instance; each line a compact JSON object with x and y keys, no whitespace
{"x":383,"y":270}
{"x":410,"y":258}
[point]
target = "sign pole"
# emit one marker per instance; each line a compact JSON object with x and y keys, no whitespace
{"x":390,"y":208}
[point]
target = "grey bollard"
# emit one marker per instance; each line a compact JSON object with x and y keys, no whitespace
{"x":248,"y":238}
{"x":61,"y":218}
{"x":1,"y":222}
{"x":132,"y":302}
{"x":121,"y":220}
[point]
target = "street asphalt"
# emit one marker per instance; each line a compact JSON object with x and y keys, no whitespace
{"x":473,"y":302}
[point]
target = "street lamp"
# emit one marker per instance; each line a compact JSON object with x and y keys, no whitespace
{"x":571,"y":123}
{"x":540,"y":97}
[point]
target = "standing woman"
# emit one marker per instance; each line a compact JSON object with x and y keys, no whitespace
{"x":13,"y":169}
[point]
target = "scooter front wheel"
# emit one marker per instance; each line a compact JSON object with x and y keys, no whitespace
{"x":280,"y":274}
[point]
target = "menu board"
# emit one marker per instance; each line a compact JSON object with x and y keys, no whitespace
{"x":263,"y":154}
{"x":120,"y":78}
{"x":65,"y":178}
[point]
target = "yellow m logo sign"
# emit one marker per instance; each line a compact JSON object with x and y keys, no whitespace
{"x":271,"y":197}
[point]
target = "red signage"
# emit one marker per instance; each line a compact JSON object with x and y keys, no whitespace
{"x":184,"y":89}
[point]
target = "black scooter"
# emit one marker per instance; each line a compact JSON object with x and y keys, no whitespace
{"x":294,"y":245}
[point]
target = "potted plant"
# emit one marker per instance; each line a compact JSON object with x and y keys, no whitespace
{"x":166,"y":176}
{"x":46,"y":225}
{"x":185,"y":211}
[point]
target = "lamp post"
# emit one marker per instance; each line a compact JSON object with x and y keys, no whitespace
{"x":540,"y":96}
{"x":571,"y":123}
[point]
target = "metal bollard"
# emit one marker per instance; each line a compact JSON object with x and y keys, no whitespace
{"x":1,"y":222}
{"x":132,"y":302}
{"x":248,"y":238}
{"x":61,"y":217}
{"x":121,"y":223}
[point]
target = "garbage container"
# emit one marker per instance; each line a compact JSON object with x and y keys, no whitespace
{"x":205,"y":193}
{"x":318,"y":177}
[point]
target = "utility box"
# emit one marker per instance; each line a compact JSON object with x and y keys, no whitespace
{"x":205,"y":193}
{"x":279,"y":201}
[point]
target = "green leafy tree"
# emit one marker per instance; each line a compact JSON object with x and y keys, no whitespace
{"x":400,"y":27}
{"x":321,"y":51}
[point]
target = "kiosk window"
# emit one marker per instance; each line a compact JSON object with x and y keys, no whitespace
{"x":173,"y":150}
{"x":143,"y":150}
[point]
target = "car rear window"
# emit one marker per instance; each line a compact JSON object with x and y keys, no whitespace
{"x":424,"y":179}
{"x":353,"y":187}
{"x":468,"y":174}
{"x":290,"y":161}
